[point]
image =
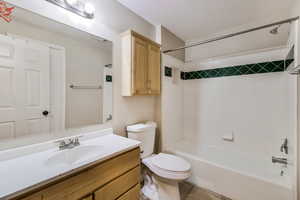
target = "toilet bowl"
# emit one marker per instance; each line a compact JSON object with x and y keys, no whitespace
{"x":166,"y":170}
{"x":168,"y":166}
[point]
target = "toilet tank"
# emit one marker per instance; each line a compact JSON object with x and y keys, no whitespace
{"x":145,"y":133}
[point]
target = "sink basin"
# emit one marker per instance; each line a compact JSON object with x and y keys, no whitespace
{"x":76,"y":155}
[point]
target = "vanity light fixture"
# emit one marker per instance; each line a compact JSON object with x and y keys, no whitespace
{"x":72,"y":2}
{"x":79,"y":7}
{"x":89,"y":8}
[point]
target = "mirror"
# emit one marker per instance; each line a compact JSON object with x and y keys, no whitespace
{"x":53,"y":78}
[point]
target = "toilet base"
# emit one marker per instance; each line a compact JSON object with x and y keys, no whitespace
{"x":167,"y":189}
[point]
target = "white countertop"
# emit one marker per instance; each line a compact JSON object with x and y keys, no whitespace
{"x":26,"y":167}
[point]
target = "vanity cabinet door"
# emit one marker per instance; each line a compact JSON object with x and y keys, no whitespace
{"x":154,"y":69}
{"x":133,"y":194}
{"x":118,"y":186}
{"x":140,"y":66}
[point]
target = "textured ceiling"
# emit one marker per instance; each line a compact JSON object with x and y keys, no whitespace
{"x":193,"y":19}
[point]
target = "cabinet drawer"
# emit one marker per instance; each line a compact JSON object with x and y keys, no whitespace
{"x":119,"y":186}
{"x":133,"y":194}
{"x":86,"y":182}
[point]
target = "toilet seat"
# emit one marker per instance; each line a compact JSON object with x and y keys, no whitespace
{"x":168,"y":166}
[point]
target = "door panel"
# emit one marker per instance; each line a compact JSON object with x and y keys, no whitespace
{"x":7,"y":130}
{"x":34,"y":65}
{"x":33,"y":87}
{"x":24,"y":87}
{"x":6,"y":86}
{"x":7,"y":89}
{"x":6,"y":49}
{"x":36,"y":61}
{"x":154,"y":69}
{"x":140,"y":66}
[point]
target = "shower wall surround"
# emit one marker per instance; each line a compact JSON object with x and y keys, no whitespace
{"x":257,"y":109}
{"x":255,"y":68}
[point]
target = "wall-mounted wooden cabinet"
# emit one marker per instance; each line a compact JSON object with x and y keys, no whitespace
{"x":141,"y":61}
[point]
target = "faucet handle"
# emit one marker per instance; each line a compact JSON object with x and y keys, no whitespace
{"x":76,"y":141}
{"x":284,"y":147}
{"x":61,"y":143}
{"x":71,"y":140}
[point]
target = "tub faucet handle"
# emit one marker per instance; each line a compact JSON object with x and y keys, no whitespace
{"x":284,"y":147}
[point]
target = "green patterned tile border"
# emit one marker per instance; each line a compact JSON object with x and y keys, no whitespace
{"x":257,"y":68}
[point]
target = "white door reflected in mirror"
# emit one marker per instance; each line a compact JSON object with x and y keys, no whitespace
{"x":24,"y":88}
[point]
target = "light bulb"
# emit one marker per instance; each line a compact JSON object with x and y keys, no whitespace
{"x":89,"y":8}
{"x":72,"y":2}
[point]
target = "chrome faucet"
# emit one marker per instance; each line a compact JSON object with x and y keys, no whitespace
{"x":279,"y":160}
{"x":284,"y":147}
{"x":72,"y":142}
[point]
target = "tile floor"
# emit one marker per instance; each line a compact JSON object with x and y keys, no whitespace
{"x":190,"y":192}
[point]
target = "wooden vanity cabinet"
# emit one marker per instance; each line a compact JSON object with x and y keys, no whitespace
{"x":114,"y":179}
{"x":141,"y":63}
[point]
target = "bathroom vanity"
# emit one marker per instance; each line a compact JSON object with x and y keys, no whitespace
{"x":105,"y":167}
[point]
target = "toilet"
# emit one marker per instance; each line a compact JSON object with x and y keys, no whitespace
{"x":166,"y":169}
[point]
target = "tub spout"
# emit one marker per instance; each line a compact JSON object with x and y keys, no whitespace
{"x":279,"y":160}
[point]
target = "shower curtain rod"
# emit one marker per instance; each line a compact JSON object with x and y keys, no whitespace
{"x":233,"y":34}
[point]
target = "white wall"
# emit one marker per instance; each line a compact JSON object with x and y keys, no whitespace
{"x":107,"y":96}
{"x":111,"y":18}
{"x":170,"y":41}
{"x":296,"y":12}
{"x":171,"y":103}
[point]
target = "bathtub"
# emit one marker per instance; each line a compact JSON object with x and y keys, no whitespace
{"x":238,"y":177}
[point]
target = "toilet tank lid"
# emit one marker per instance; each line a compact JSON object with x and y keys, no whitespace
{"x":141,"y":127}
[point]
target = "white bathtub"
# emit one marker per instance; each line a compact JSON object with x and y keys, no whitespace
{"x":235,"y":175}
